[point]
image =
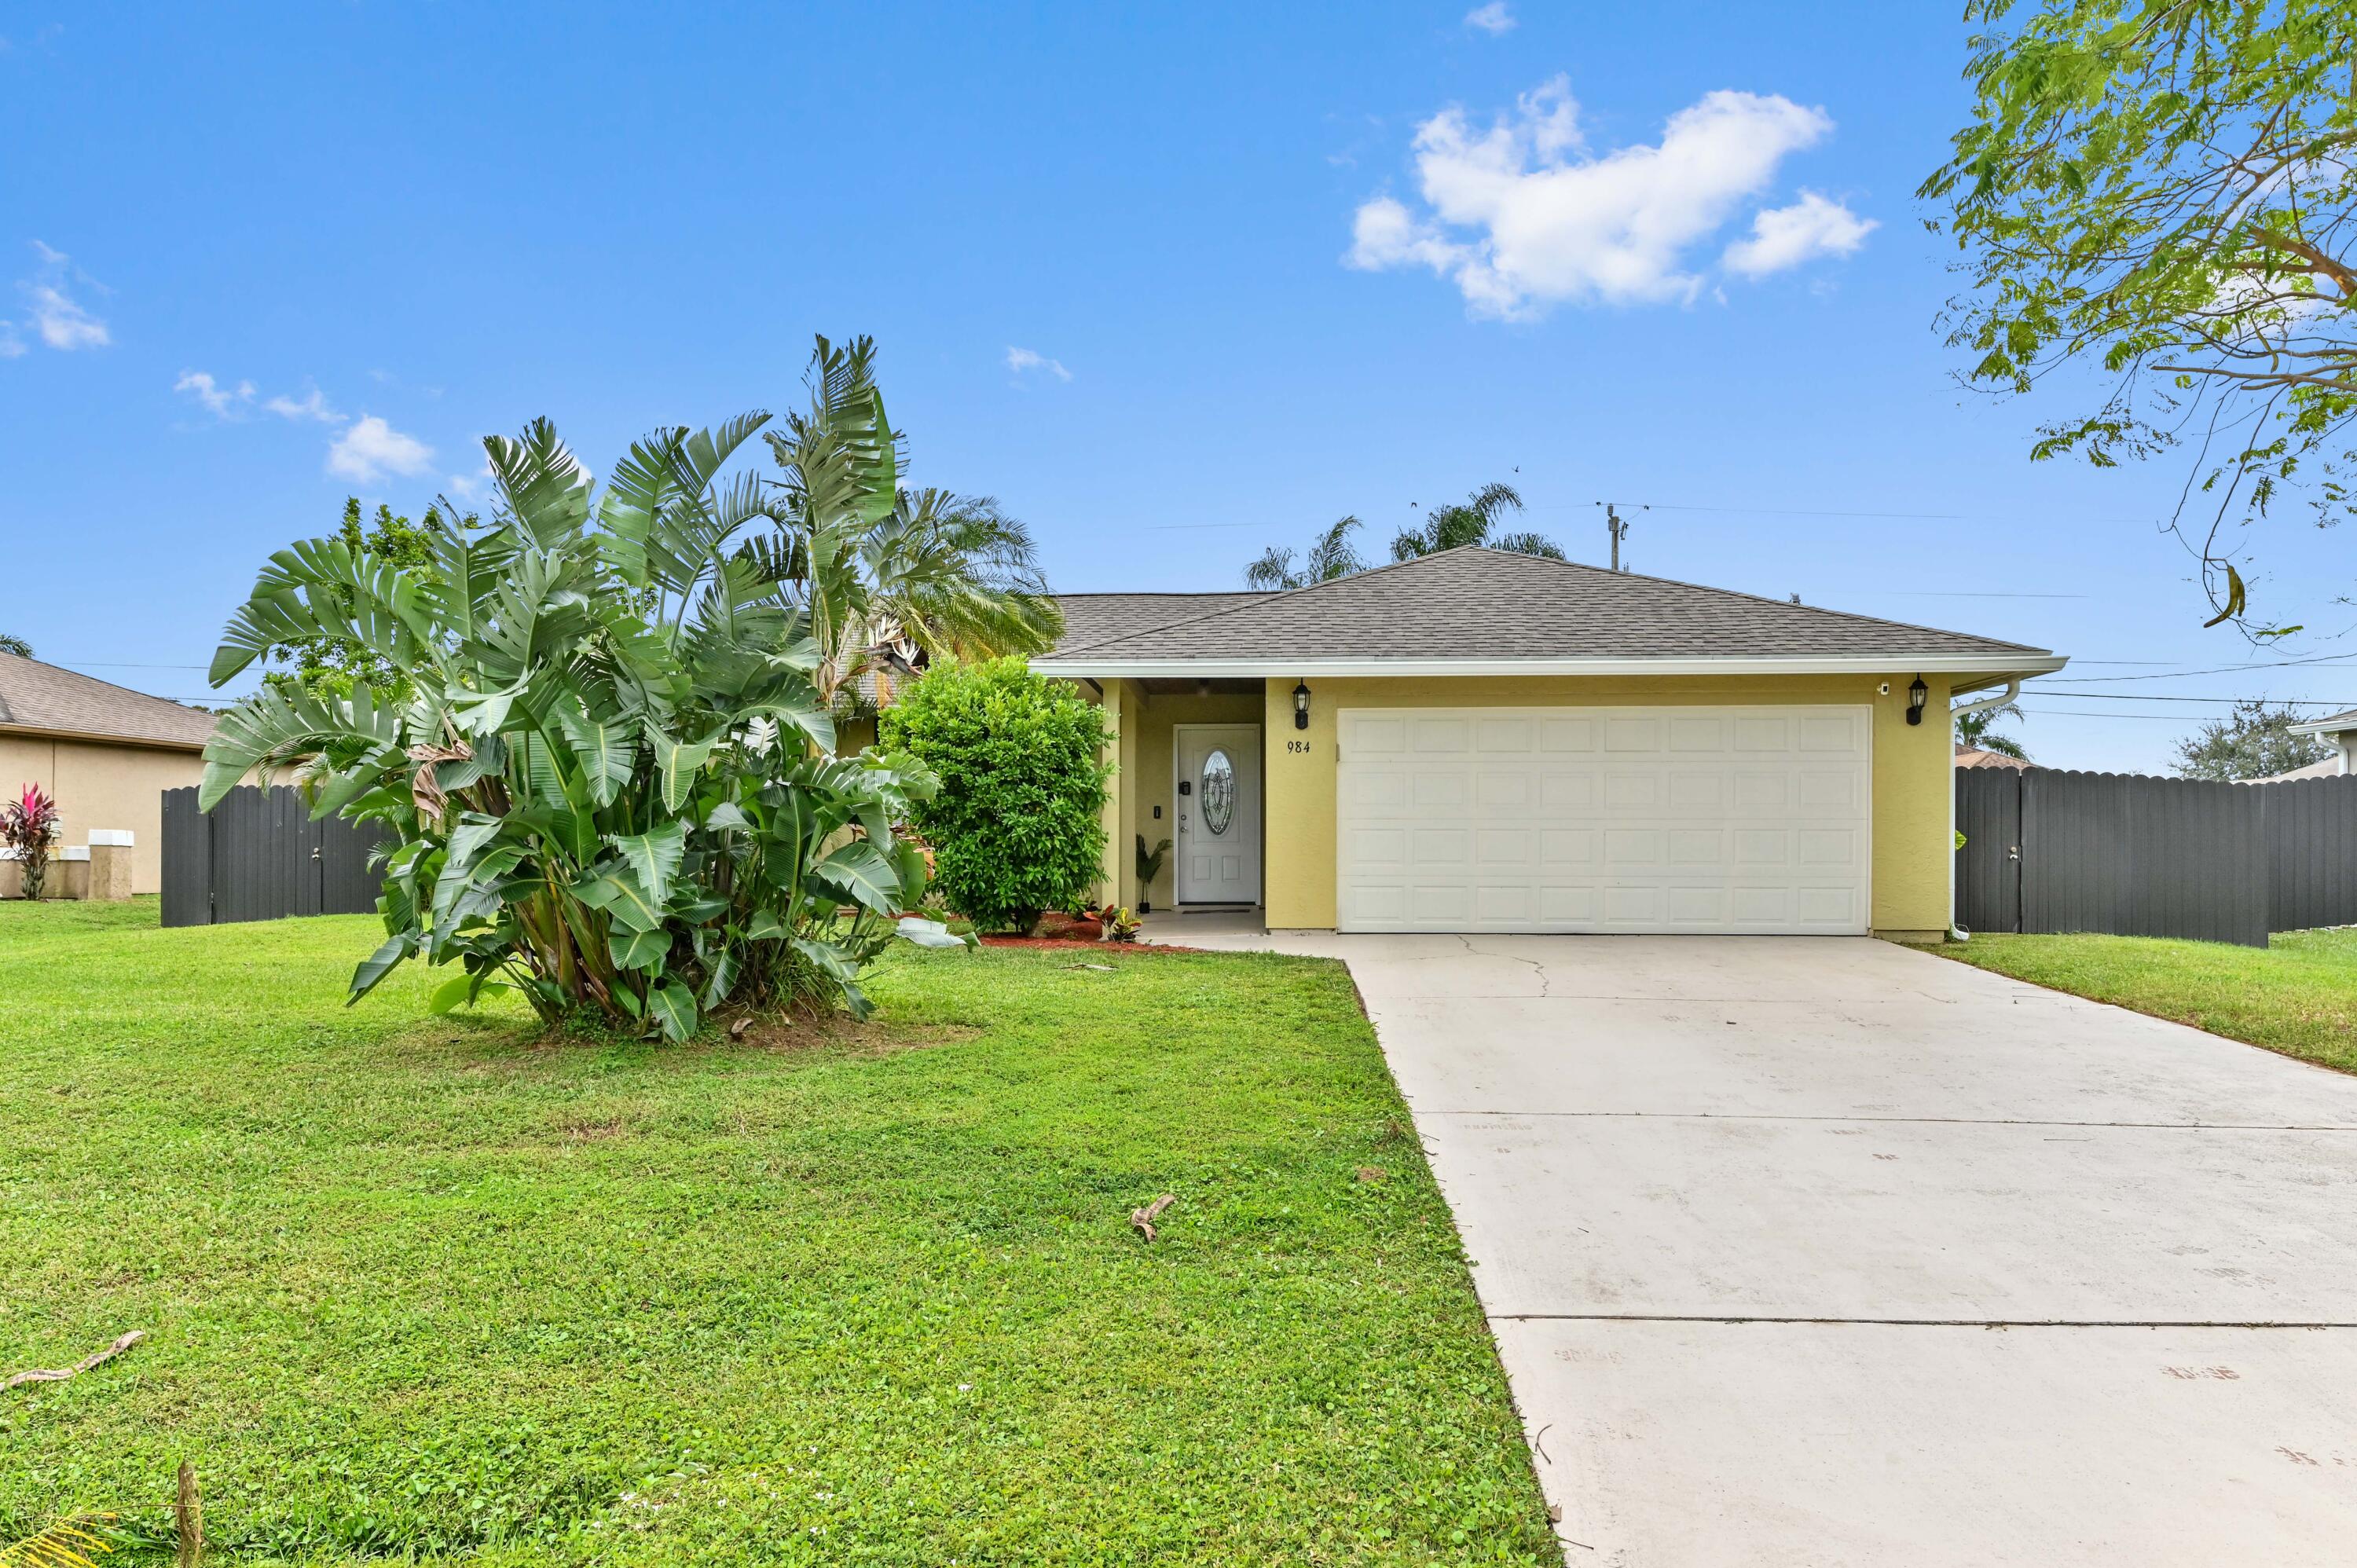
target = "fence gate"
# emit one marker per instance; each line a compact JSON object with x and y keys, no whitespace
{"x":1988,"y":866}
{"x":258,"y":856}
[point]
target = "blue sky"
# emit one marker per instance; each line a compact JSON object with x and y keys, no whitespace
{"x":1275,"y":264}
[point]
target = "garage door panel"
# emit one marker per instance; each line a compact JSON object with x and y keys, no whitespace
{"x":1567,"y":789}
{"x":1697,"y":846}
{"x":1628,"y":789}
{"x":1698,"y":905}
{"x":1558,"y":735}
{"x":1829,"y":731}
{"x":1445,"y":906}
{"x":1698,"y":734}
{"x":1567,"y":846}
{"x":1632,"y":846}
{"x":1693,"y":789}
{"x":1506,"y":788}
{"x":1428,"y":737}
{"x":1633,"y":734}
{"x":1441,"y":846}
{"x":1606,"y":820}
{"x":1514,"y":736}
{"x":1502,"y":846}
{"x":1446,"y":791}
{"x":1819,"y":791}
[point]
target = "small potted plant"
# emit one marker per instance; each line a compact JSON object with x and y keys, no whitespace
{"x":28,"y":826}
{"x":1149,"y":866}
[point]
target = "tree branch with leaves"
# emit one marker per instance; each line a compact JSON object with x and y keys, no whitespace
{"x":2160,"y":199}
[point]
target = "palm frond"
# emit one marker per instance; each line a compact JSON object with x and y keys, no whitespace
{"x":62,"y":1544}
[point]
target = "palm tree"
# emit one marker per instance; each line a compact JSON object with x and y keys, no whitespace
{"x":12,"y":643}
{"x":1330,"y":555}
{"x":950,"y":575}
{"x":1974,"y":730}
{"x":930,"y":575}
{"x":1469,"y":521}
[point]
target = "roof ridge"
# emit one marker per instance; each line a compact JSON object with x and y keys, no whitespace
{"x":1764,"y":599}
{"x":1271,"y":596}
{"x":95,"y":681}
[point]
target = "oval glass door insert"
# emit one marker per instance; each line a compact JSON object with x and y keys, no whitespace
{"x":1219,"y":802}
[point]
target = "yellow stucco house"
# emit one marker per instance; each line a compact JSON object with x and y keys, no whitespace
{"x":105,"y":753}
{"x":1481,"y":741}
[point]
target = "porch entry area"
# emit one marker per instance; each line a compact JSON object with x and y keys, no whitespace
{"x":1189,"y":781}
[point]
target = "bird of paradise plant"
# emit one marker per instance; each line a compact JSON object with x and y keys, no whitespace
{"x":613,"y":784}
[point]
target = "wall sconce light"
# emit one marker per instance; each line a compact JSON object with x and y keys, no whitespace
{"x":1301,"y":704}
{"x":1917,"y":695}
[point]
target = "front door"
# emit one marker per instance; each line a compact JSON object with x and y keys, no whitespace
{"x":1219,"y":813}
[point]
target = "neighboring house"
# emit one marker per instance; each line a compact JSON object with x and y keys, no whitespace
{"x":2340,"y":732}
{"x":1973,"y":757}
{"x":1483,"y":741}
{"x":107,"y":754}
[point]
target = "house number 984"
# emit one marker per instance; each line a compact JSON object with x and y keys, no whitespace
{"x":1297,"y":746}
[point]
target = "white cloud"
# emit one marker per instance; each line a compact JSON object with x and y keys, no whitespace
{"x":371,"y":449}
{"x":313,"y":406}
{"x":1784,"y":237}
{"x":1022,"y":360}
{"x":1494,"y":18}
{"x":475,"y":486}
{"x":51,"y":313}
{"x":224,"y":400}
{"x":1520,"y":216}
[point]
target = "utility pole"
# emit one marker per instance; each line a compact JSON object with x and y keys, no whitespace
{"x":1618,"y":526}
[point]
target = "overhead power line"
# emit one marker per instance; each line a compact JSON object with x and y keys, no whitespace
{"x":2140,"y":697}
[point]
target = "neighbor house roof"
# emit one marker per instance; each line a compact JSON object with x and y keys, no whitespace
{"x":45,"y":700}
{"x":1477,"y":611}
{"x":2331,"y":723}
{"x":1973,"y":757}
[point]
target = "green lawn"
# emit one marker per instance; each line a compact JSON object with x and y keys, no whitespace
{"x":2297,"y":996}
{"x":430,"y":1288}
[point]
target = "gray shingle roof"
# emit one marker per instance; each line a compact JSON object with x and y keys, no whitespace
{"x":36,"y":696}
{"x":1479,"y":603}
{"x":1095,"y":618}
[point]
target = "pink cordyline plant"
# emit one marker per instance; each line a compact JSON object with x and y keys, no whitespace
{"x":26,"y":826}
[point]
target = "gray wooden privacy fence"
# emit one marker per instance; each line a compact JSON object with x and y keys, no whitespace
{"x":2046,"y":849}
{"x":259,"y":856}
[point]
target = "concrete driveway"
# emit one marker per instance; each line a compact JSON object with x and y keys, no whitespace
{"x":1821,"y":1251}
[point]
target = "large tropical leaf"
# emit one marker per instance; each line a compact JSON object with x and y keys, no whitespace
{"x":673,"y":1006}
{"x":653,"y":856}
{"x":860,"y":871}
{"x":604,"y":747}
{"x":677,"y":762}
{"x":278,"y":725}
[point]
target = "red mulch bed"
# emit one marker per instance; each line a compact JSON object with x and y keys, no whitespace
{"x":1081,"y":942}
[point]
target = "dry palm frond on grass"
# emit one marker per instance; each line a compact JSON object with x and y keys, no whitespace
{"x":65,"y":1543}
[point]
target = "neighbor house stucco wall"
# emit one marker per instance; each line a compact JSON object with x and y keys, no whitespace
{"x":1913,"y":773}
{"x":99,"y":785}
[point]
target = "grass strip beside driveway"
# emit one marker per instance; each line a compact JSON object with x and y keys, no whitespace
{"x":2297,"y":996}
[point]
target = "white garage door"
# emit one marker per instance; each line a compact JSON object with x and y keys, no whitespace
{"x":1728,"y":819}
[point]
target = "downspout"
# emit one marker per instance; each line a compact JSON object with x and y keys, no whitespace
{"x":1986,"y":705}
